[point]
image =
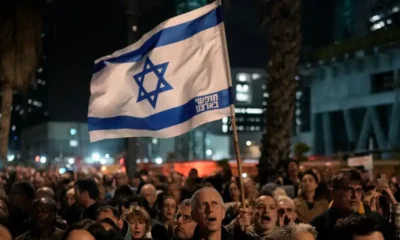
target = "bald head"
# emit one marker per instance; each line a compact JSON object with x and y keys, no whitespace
{"x":45,"y":192}
{"x":4,"y":233}
{"x":205,"y":191}
{"x":148,"y":191}
{"x":80,"y":234}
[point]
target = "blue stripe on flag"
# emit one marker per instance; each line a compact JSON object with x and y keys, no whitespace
{"x":161,"y":120}
{"x":167,"y":36}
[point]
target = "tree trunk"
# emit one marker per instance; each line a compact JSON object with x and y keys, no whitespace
{"x":6,"y":103}
{"x":283,"y":23}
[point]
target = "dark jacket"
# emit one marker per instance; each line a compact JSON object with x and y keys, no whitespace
{"x":90,"y":212}
{"x":225,"y":235}
{"x":325,"y":222}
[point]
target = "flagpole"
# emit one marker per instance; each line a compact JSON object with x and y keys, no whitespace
{"x":233,"y":117}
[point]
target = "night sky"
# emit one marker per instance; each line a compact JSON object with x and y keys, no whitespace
{"x":86,"y":30}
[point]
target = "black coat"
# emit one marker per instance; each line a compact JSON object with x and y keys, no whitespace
{"x":325,"y":222}
{"x":225,"y":235}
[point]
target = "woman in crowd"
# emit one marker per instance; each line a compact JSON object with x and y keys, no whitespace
{"x":309,"y":202}
{"x":163,"y":226}
{"x":140,"y":223}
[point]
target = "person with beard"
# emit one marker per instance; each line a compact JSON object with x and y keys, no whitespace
{"x":42,"y":222}
{"x":265,"y":220}
{"x":163,"y":226}
{"x":110,"y":219}
{"x":184,"y":224}
{"x":208,"y":212}
{"x":20,"y":206}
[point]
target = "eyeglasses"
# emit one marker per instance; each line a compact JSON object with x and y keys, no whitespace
{"x":351,"y":190}
{"x":185,"y":218}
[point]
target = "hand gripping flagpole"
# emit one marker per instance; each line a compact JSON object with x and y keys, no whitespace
{"x":233,"y":117}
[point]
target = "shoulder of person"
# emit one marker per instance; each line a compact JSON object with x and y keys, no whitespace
{"x":319,"y":220}
{"x":23,"y":236}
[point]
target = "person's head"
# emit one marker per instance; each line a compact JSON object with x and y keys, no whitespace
{"x":168,"y":208}
{"x":265,"y":214}
{"x":4,"y":233}
{"x":175,"y":191}
{"x":347,"y":189}
{"x":317,"y":173}
{"x":111,"y":213}
{"x":39,"y":182}
{"x":292,"y":168}
{"x":45,"y":192}
{"x":139,"y":222}
{"x":86,"y":192}
{"x":193,"y":173}
{"x":208,"y":209}
{"x":234,"y":191}
{"x":70,"y":197}
{"x":286,"y":206}
{"x":309,"y":182}
{"x":21,"y":196}
{"x":86,"y":230}
{"x":357,"y":227}
{"x":184,"y":226}
{"x":148,"y":191}
{"x":121,"y":179}
{"x":295,"y":232}
{"x":44,"y":212}
{"x":249,"y":187}
{"x":122,"y":192}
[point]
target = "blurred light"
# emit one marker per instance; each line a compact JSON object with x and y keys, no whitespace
{"x":242,"y":77}
{"x":375,"y":18}
{"x":154,"y":141}
{"x":96,"y":156}
{"x":68,"y":165}
{"x":103,"y":168}
{"x":244,"y":175}
{"x":396,"y":9}
{"x":297,"y":78}
{"x":256,"y":76}
{"x":72,"y":131}
{"x":248,"y":143}
{"x":73,"y":143}
{"x":13,"y":128}
{"x":159,"y":160}
{"x":389,"y":21}
{"x":122,"y":161}
{"x":225,"y":120}
{"x":377,"y":26}
{"x":62,"y":170}
{"x":209,"y":152}
{"x":224,"y":128}
{"x":71,"y":161}
{"x":43,"y":159}
{"x":145,"y":160}
{"x":107,"y":156}
{"x":11,"y":157}
{"x":37,"y":159}
{"x":103,"y":161}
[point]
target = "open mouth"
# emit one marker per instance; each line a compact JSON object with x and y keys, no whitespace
{"x":211,"y":219}
{"x":266,"y":218}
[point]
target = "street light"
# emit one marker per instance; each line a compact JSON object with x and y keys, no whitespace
{"x":248,"y":143}
{"x":209,"y":152}
{"x":96,"y":156}
{"x":159,"y":160}
{"x":43,"y":159}
{"x":71,"y":161}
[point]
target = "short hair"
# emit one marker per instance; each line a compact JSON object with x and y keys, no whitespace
{"x":95,"y":229}
{"x":107,"y":208}
{"x":185,"y":203}
{"x":285,"y":199}
{"x":24,"y":188}
{"x":45,"y":192}
{"x":136,"y":212}
{"x":346,"y":176}
{"x":355,"y":225}
{"x":311,"y":173}
{"x":289,"y":232}
{"x":46,"y":200}
{"x":90,"y":186}
{"x":193,"y":200}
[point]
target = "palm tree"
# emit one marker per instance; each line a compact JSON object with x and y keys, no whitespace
{"x":282,"y":22}
{"x":20,"y":47}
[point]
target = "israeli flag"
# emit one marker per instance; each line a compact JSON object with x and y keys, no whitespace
{"x":174,"y":79}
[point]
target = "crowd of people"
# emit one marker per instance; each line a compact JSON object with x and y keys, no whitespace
{"x":47,"y":205}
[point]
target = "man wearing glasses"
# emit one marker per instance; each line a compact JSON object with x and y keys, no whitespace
{"x":346,"y":192}
{"x":184,"y":225}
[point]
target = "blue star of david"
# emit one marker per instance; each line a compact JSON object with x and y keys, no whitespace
{"x":162,"y":84}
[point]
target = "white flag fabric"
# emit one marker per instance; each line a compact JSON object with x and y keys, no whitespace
{"x":172,"y":80}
